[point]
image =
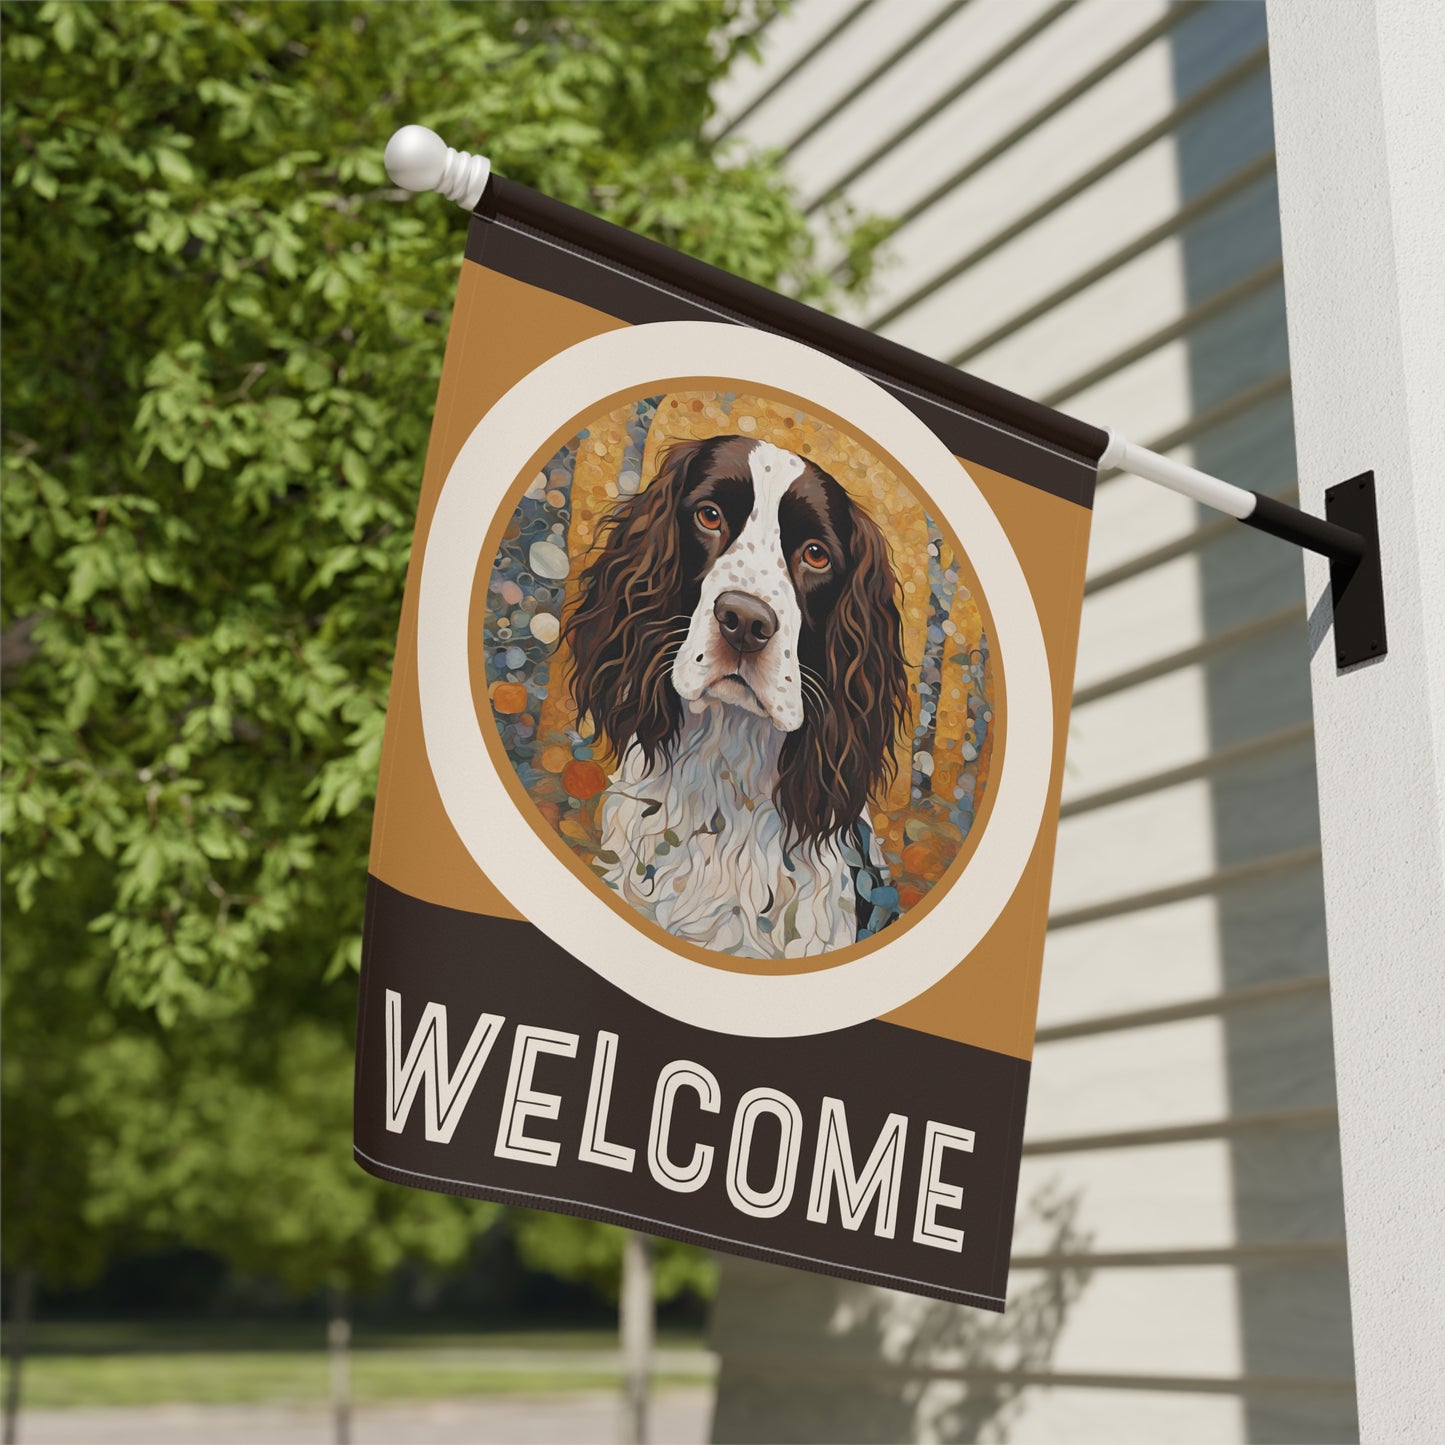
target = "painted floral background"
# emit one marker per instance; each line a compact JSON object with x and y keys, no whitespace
{"x":928,"y":812}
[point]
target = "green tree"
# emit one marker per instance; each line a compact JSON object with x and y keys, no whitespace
{"x":223,"y":329}
{"x":235,"y":1139}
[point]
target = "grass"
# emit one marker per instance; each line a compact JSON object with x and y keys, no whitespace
{"x":164,"y":1336}
{"x":105,"y":1365}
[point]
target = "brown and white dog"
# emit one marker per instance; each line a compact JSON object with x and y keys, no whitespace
{"x":737,"y":644}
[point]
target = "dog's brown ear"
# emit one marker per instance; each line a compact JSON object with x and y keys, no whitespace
{"x":618,"y":630}
{"x":844,"y":754}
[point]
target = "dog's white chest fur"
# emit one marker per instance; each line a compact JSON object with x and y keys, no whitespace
{"x":699,"y":845}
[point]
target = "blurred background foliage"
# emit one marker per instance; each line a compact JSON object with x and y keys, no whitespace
{"x":223,"y":331}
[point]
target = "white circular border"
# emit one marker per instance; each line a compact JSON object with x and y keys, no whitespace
{"x":520,"y":862}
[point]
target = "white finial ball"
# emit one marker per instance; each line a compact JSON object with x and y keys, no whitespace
{"x":415,"y":158}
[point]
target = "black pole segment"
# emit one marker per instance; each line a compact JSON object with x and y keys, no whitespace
{"x":1316,"y":534}
{"x":1349,"y":535}
{"x":1357,"y":585}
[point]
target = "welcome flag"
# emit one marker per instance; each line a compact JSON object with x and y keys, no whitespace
{"x":717,"y":805}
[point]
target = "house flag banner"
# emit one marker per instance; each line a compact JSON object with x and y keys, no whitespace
{"x":717,"y":805}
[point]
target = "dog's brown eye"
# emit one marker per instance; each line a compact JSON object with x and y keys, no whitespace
{"x":815,"y":554}
{"x":709,"y":517}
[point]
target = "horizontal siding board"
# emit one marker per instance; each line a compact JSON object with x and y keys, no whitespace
{"x":999,"y":29}
{"x":1239,"y":638}
{"x":1153,"y":841}
{"x":1123,"y":735}
{"x":1150,"y":391}
{"x":1159,"y":613}
{"x":1181,"y":1195}
{"x":1211,"y":765}
{"x":1242,"y":707}
{"x":992,"y":108}
{"x":842,"y":57}
{"x":1174,"y":1073}
{"x":1132,"y":516}
{"x":1253,"y":444}
{"x":1172,"y":1197}
{"x":1265,"y":1126}
{"x":908,"y":58}
{"x":1149,"y":958}
{"x":1211,"y":528}
{"x":1138,"y":622}
{"x":1239,"y":346}
{"x":1157,"y":135}
{"x":1146,"y":1322}
{"x":1050,"y":1414}
{"x":1221,"y":881}
{"x":1097,"y":321}
{"x":1170,"y":953}
{"x":975,"y":290}
{"x":1204,"y":427}
{"x":789,"y":39}
{"x":1165,"y":329}
{"x":1274,"y":928}
{"x":1012,"y":173}
{"x":1215,"y":210}
{"x":1207,"y":1005}
{"x":1138,"y":1078}
{"x":1273,"y":1059}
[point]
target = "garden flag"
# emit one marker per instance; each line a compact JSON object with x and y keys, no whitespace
{"x":717,"y":805}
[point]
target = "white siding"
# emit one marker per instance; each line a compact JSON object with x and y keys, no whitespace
{"x":1090,"y":218}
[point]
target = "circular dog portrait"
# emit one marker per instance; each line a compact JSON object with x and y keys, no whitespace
{"x":741,"y":674}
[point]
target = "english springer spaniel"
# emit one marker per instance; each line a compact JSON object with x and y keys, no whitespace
{"x":736,"y":642}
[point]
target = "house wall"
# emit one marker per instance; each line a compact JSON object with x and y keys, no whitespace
{"x":1090,"y":217}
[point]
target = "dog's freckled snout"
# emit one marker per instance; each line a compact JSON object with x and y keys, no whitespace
{"x":746,"y":622}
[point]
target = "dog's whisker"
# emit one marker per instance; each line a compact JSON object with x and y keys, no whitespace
{"x":813,"y":693}
{"x":664,"y":656}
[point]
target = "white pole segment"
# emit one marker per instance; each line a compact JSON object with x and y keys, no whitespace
{"x":1188,"y":481}
{"x":418,"y":159}
{"x":1359,"y":116}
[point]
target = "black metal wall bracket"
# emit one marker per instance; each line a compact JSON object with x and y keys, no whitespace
{"x":1349,"y":535}
{"x":1357,"y":589}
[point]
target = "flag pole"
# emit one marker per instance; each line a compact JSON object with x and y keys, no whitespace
{"x":1253,"y":508}
{"x":1348,"y":534}
{"x":418,"y":159}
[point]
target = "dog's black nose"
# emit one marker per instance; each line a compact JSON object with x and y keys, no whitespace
{"x":746,"y":622}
